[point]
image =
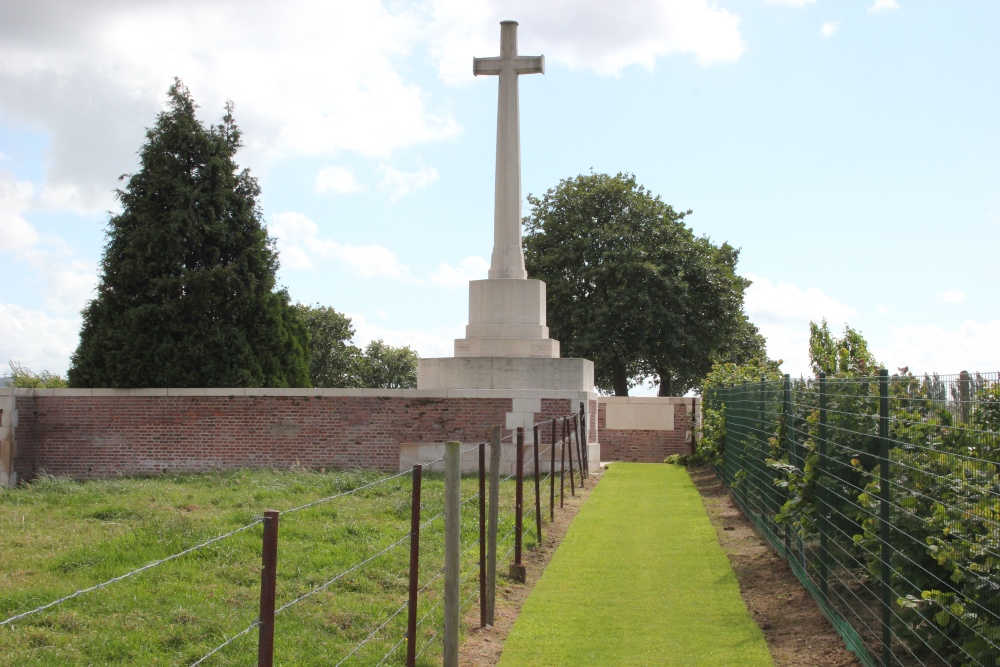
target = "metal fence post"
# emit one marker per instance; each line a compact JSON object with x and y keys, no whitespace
{"x":552,"y":475}
{"x":538,"y":491}
{"x":821,"y":496}
{"x":885,"y":498}
{"x":562,"y":466}
{"x":482,"y":535}
{"x":574,"y":431}
{"x":517,"y":570}
{"x":786,"y":412}
{"x":411,"y":615}
{"x":586,"y":438}
{"x":268,"y":583}
{"x":491,"y":530}
{"x":452,"y":549}
{"x":568,"y":443}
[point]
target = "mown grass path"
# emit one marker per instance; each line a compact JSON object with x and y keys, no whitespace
{"x":639,"y":579}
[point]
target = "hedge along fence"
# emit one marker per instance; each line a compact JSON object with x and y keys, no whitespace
{"x":413,"y":621}
{"x":883,"y":494}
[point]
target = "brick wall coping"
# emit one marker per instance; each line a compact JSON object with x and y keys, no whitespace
{"x":313,"y":392}
{"x":675,"y":400}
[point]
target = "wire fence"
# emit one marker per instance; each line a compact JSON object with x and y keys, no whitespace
{"x":883,"y":494}
{"x":401,"y":625}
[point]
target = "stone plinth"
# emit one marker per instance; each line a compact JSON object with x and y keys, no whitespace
{"x":531,"y":373}
{"x":507,"y":319}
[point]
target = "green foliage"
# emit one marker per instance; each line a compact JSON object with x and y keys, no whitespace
{"x":333,"y":360}
{"x":24,"y":378}
{"x":388,"y":367}
{"x":944,"y":506}
{"x":711,"y":439}
{"x":336,"y":362}
{"x":187,"y":296}
{"x":631,"y":287}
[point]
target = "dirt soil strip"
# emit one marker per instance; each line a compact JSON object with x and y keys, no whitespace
{"x":481,"y":647}
{"x":797,"y":633}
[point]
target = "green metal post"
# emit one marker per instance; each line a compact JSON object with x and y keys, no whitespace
{"x":885,"y":497}
{"x":824,"y":510}
{"x":787,"y":445}
{"x":764,"y":489}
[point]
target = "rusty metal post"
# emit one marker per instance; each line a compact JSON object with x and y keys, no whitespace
{"x":575,"y":431}
{"x":538,"y":494}
{"x":517,"y":570}
{"x":569,"y":446}
{"x":586,"y":438}
{"x":562,"y":467}
{"x":552,"y":475}
{"x":482,"y":535}
{"x":268,"y":582}
{"x":411,"y":612}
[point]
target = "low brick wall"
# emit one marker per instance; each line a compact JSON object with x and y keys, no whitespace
{"x":101,"y":433}
{"x":648,"y":445}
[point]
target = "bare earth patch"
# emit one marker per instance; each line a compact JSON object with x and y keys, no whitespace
{"x":796,"y":631}
{"x":481,"y":647}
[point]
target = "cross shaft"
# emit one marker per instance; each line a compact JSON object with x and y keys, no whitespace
{"x":508,"y":257}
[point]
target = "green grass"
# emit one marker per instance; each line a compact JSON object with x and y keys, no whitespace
{"x":58,"y":536}
{"x":639,"y":579}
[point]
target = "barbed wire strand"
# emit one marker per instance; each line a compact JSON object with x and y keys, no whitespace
{"x":341,"y":575}
{"x":373,"y":633}
{"x":130,"y":574}
{"x":347,"y":493}
{"x":226,"y":643}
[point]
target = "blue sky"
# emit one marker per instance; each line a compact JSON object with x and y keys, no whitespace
{"x":851,"y":149}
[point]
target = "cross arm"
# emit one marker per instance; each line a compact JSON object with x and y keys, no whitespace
{"x":486,"y":66}
{"x":529,"y":64}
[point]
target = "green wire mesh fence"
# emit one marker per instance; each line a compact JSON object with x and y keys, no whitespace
{"x":883,"y":494}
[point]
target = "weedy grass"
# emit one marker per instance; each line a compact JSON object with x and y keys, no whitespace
{"x":639,"y":579}
{"x":58,"y":536}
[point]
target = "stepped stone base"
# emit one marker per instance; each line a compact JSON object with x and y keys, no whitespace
{"x":533,"y":373}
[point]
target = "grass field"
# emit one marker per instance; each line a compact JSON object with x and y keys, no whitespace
{"x":58,"y":536}
{"x":639,"y":579}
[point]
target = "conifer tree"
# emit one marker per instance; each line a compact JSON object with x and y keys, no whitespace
{"x":186,"y":296}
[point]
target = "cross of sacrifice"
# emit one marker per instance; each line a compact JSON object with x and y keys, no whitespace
{"x":508,"y":257}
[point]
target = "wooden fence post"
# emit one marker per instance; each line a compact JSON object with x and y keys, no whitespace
{"x":491,"y":529}
{"x":452,"y":549}
{"x":411,"y":615}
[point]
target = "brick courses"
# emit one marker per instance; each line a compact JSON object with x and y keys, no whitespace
{"x":101,"y":436}
{"x":643,"y":446}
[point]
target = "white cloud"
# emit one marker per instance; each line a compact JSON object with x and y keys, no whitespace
{"x":300,"y":245}
{"x":951,"y":296}
{"x":882,"y":310}
{"x":884,"y":6}
{"x":829,"y":28}
{"x":438,"y":343}
{"x":401,"y":183}
{"x":597,"y":35}
{"x":931,"y":348}
{"x":792,"y":3}
{"x":782,"y":312}
{"x":16,"y":233}
{"x":334,"y":178}
{"x":309,"y":77}
{"x":470,"y":268}
{"x":36,"y":340}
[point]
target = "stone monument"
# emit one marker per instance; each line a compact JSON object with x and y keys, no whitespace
{"x":507,"y":344}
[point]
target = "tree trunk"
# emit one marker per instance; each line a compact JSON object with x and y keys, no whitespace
{"x":664,"y":382}
{"x":619,"y":378}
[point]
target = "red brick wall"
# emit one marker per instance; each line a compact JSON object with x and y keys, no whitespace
{"x":94,"y":436}
{"x":646,"y":446}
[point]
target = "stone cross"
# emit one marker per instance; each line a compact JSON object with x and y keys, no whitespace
{"x":508,"y":257}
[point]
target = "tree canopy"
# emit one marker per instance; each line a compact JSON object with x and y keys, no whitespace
{"x":187,"y":294}
{"x":336,"y":362}
{"x":631,"y":287}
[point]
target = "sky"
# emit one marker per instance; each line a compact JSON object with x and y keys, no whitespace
{"x":851,"y":149}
